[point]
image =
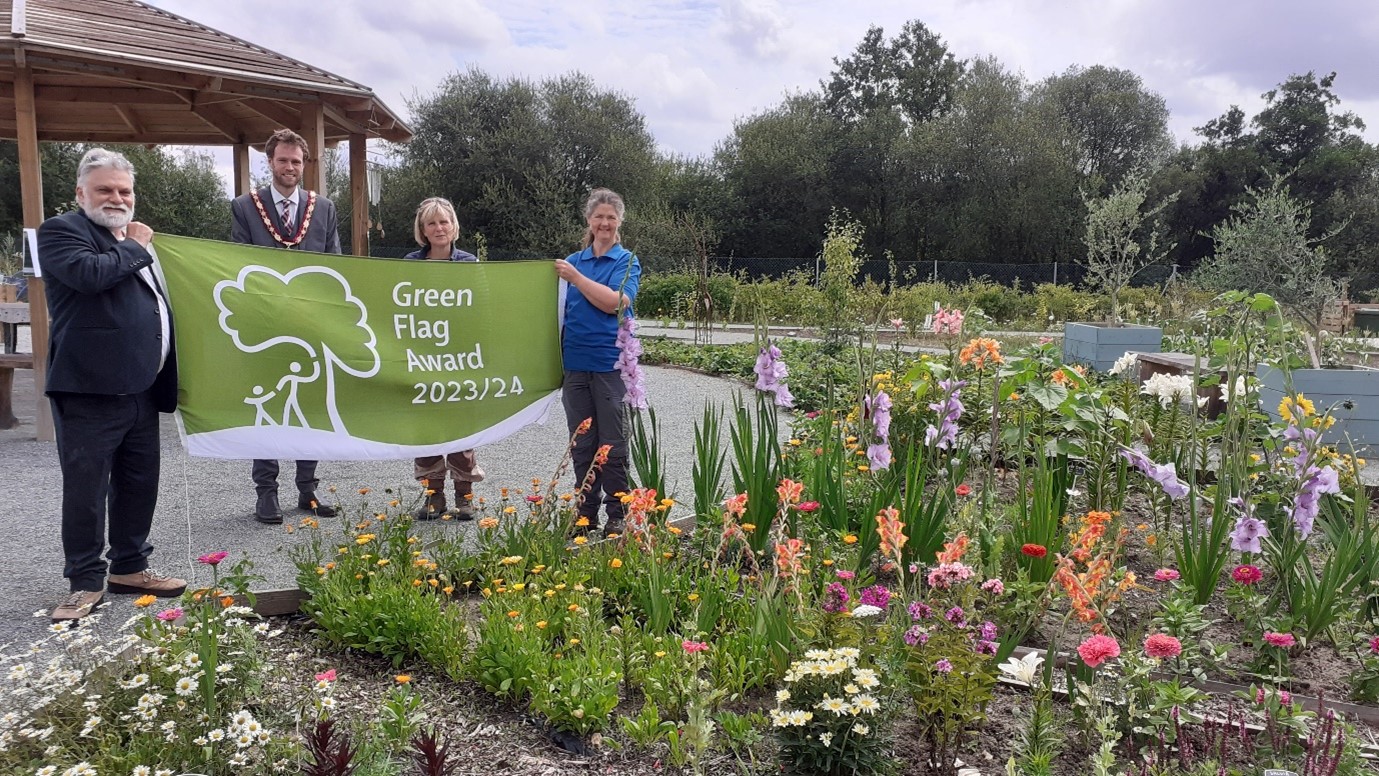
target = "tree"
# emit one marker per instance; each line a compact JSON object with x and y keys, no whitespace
{"x":913,"y":72}
{"x":1122,"y":238}
{"x":1119,"y":125}
{"x":1265,"y":248}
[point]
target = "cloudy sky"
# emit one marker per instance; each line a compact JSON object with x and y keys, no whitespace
{"x":694,"y":66}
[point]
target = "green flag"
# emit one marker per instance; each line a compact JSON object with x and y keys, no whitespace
{"x":286,"y":354}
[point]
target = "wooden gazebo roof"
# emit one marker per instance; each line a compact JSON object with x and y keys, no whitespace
{"x":115,"y":71}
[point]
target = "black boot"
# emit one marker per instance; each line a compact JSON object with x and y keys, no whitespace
{"x":310,"y":503}
{"x":267,"y":509}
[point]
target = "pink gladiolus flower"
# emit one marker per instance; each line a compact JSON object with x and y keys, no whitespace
{"x":694,"y":646}
{"x":168,"y":615}
{"x":1280,"y":640}
{"x":1162,"y":645}
{"x":213,"y":558}
{"x":1166,"y":575}
{"x":326,"y":676}
{"x":1097,"y":650}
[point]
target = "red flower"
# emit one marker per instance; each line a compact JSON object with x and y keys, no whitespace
{"x":807,"y":506}
{"x":1035,"y":550}
{"x":213,"y":558}
{"x":812,"y":415}
{"x":963,"y":489}
{"x":326,"y":676}
{"x":1280,"y":640}
{"x":1247,"y":575}
{"x":1162,"y":645}
{"x":1097,"y":650}
{"x":534,"y":499}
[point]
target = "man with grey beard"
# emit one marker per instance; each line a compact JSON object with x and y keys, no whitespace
{"x":111,"y":370}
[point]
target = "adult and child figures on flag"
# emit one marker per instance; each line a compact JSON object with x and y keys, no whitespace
{"x":112,"y":363}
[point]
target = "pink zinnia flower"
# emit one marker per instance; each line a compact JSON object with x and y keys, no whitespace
{"x":168,"y":615}
{"x":846,"y":575}
{"x":1162,"y":645}
{"x":1374,"y":645}
{"x":693,"y":646}
{"x":1166,"y":575}
{"x":1247,"y":575}
{"x":213,"y":558}
{"x":1280,"y":640}
{"x":1097,"y":650}
{"x":326,"y":676}
{"x":807,"y":506}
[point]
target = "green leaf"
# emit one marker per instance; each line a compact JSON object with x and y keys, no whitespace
{"x":1049,"y":396}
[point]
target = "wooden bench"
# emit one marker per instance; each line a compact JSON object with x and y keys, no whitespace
{"x":8,"y":363}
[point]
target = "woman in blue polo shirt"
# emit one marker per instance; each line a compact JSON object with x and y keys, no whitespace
{"x":435,"y":230}
{"x":601,"y":283}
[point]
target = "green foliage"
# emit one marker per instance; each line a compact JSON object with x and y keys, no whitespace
{"x":672,"y":294}
{"x":1122,"y":237}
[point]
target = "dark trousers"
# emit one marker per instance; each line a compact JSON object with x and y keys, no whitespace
{"x":598,"y":395}
{"x":266,"y":477}
{"x":107,"y":447}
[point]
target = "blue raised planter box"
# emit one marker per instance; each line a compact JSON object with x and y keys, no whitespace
{"x":1350,"y":393}
{"x":1099,"y":345}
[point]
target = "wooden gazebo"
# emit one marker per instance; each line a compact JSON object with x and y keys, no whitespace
{"x":120,"y":71}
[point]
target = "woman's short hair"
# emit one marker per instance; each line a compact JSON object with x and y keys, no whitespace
{"x":428,"y":208}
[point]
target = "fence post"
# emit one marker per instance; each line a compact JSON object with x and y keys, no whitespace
{"x":817,"y":272}
{"x":934,"y":278}
{"x":1055,"y":273}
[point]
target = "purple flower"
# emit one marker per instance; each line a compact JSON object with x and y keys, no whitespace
{"x":920,"y":611}
{"x":916,"y":636}
{"x":879,"y":455}
{"x":876,"y":595}
{"x":1166,"y":475}
{"x":988,"y":631}
{"x":994,"y":586}
{"x":985,"y":647}
{"x":1248,"y":528}
{"x":949,"y":409}
{"x":879,"y":408}
{"x":943,"y":666}
{"x":771,"y":373}
{"x":956,"y":616}
{"x":836,"y":598}
{"x":629,"y":353}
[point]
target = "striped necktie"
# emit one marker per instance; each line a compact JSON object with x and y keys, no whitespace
{"x":287,"y":214}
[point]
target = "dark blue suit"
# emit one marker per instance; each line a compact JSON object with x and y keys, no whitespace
{"x":106,"y":389}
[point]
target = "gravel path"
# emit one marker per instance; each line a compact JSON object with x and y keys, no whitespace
{"x":204,"y":505}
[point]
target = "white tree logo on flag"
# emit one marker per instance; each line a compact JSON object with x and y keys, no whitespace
{"x":325,"y":347}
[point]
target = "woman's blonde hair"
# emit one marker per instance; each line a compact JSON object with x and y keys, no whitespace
{"x":428,"y":208}
{"x":602,"y":197}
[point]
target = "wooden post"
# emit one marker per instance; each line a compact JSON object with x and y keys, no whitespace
{"x":31,"y":187}
{"x":359,"y":194}
{"x":242,"y":180}
{"x":314,"y":130}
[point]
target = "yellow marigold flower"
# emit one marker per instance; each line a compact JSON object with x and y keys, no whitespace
{"x":519,"y":586}
{"x":827,"y":561}
{"x":509,"y":509}
{"x":541,"y":624}
{"x":572,"y":608}
{"x":402,"y":679}
{"x":660,"y":653}
{"x":320,"y":571}
{"x":581,"y":540}
{"x":693,"y":596}
{"x":749,"y":527}
{"x":382,"y":561}
{"x":416,"y":583}
{"x":488,"y":593}
{"x":363,"y":491}
{"x":850,"y":539}
{"x":514,"y":613}
{"x":330,"y":566}
{"x":674,"y":530}
{"x":448,"y":589}
{"x":550,"y":594}
{"x":511,"y":560}
{"x":433,"y":582}
{"x":667,"y":555}
{"x":145,"y":601}
{"x":795,"y":443}
{"x":574,"y":642}
{"x":488,"y":523}
{"x":1152,"y":540}
{"x":503,"y":492}
{"x":615,"y":563}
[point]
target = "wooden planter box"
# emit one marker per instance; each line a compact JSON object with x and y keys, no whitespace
{"x":1099,"y":345}
{"x":9,"y":292}
{"x":1350,"y":393}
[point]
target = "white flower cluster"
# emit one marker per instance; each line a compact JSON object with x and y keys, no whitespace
{"x":828,"y":663}
{"x":1169,"y":389}
{"x":1124,"y":363}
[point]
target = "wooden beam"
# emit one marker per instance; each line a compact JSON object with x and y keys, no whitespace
{"x":220,"y":120}
{"x":275,"y":112}
{"x":242,"y":179}
{"x":343,"y":121}
{"x":31,"y":186}
{"x":314,"y":130}
{"x":131,"y":120}
{"x":359,"y":194}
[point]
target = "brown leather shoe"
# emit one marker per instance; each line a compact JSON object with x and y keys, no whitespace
{"x":79,"y":604}
{"x":147,"y":582}
{"x":433,"y":508}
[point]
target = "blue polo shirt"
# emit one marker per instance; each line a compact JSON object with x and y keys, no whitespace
{"x":589,"y":342}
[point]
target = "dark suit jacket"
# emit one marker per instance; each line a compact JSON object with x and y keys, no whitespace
{"x":105,"y":336}
{"x":323,"y":236}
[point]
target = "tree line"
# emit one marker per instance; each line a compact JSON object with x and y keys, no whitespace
{"x":938,"y":158}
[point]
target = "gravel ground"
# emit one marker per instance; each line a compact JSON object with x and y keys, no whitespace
{"x":205,"y":505}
